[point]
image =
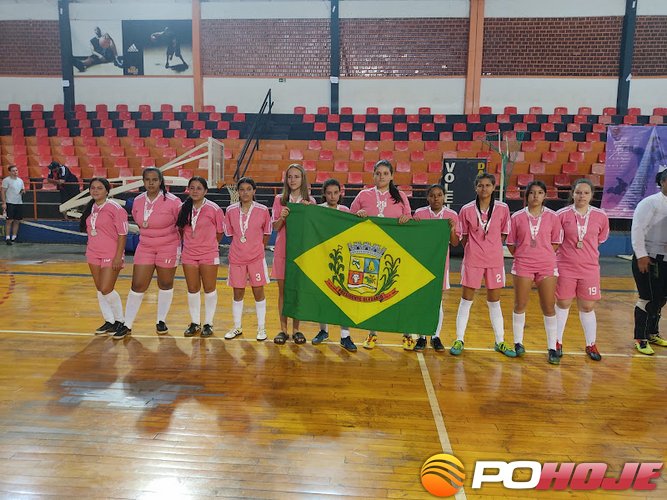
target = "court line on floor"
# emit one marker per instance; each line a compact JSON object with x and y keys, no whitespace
{"x":445,"y":444}
{"x":180,"y":336}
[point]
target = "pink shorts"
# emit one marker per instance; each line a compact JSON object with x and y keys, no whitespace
{"x":528,"y":272}
{"x":102,"y":262}
{"x":584,"y":288}
{"x":494,"y":277}
{"x":254,"y":274}
{"x":278,"y":269}
{"x":167,"y":256}
{"x":212,"y":259}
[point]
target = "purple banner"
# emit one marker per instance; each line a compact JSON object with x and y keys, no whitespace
{"x":634,"y":157}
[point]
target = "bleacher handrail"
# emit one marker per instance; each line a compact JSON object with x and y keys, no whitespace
{"x":253,"y":138}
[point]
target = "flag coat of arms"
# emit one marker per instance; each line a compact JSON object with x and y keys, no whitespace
{"x":370,"y":273}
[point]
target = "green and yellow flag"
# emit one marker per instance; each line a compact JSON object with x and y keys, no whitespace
{"x":370,"y":273}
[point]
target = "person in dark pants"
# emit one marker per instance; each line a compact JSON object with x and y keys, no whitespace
{"x":64,"y":179}
{"x":649,"y":265}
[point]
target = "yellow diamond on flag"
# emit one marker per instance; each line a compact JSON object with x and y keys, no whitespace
{"x":363,"y":270}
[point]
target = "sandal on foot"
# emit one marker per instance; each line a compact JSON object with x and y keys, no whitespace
{"x":299,"y":338}
{"x":281,"y":338}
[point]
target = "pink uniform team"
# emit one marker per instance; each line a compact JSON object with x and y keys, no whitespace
{"x":556,"y":251}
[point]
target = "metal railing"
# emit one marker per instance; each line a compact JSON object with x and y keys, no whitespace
{"x":252,"y":142}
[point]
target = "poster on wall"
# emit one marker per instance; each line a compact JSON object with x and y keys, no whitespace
{"x":634,"y":157}
{"x":458,"y":178}
{"x":132,"y":47}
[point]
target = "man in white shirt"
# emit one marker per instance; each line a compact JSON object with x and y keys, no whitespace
{"x":649,"y":265}
{"x":12,"y":203}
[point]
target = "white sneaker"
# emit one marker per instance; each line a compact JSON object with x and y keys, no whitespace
{"x":233,"y":333}
{"x":261,"y":334}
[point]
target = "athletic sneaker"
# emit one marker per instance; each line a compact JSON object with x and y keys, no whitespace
{"x":519,"y":349}
{"x":105,"y":328}
{"x":503,"y":348}
{"x":559,"y":349}
{"x":420,"y":345}
{"x":370,"y":341}
{"x":643,"y":347}
{"x":122,"y":332}
{"x":657,"y":340}
{"x":207,"y":331}
{"x":116,"y":326}
{"x":192,"y":330}
{"x":233,"y":333}
{"x":161,"y":328}
{"x":436,"y":344}
{"x":347,"y":344}
{"x":321,"y":336}
{"x":261,"y":334}
{"x":553,"y":357}
{"x":593,"y":352}
{"x":408,"y":343}
{"x":457,"y":348}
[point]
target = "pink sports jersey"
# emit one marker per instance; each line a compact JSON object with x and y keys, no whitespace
{"x":425,"y":213}
{"x":541,"y":256}
{"x":342,"y":208}
{"x":160,"y":216}
{"x":110,"y":221}
{"x":374,"y":202}
{"x":484,"y":250}
{"x":259,"y":224}
{"x":280,"y":250}
{"x":581,"y":262}
{"x":200,"y":237}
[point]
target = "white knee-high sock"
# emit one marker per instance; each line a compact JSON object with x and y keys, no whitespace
{"x":237,"y":312}
{"x":561,"y":317}
{"x":132,"y":306}
{"x":441,"y":315}
{"x":496,"y":316}
{"x":164,"y":298}
{"x":113,"y":299}
{"x":210,"y":304}
{"x":194,"y":305}
{"x":260,"y":309}
{"x":551,"y":326}
{"x":462,"y":318}
{"x":107,"y":313}
{"x":590,"y":324}
{"x":518,"y":326}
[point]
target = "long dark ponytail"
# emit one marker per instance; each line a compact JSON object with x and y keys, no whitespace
{"x":393,"y":190}
{"x":89,"y":206}
{"x":185,"y":214}
{"x":160,"y":175}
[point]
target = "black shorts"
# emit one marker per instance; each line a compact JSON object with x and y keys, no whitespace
{"x":14,"y":211}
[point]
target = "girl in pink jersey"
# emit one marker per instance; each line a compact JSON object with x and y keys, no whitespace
{"x":535,"y":234}
{"x":436,"y":210}
{"x":483,"y":226}
{"x":331,"y":194}
{"x":585,"y":228}
{"x":295,"y":190}
{"x":105,"y":222}
{"x":248,"y":223}
{"x":201,"y":224}
{"x":155,"y":211}
{"x":383,"y":200}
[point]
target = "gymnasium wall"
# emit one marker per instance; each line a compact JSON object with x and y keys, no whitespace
{"x":393,"y":53}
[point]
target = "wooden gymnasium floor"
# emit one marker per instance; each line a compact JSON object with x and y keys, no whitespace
{"x":148,"y":417}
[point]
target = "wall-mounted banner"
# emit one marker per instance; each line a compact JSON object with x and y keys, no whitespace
{"x":132,"y":47}
{"x":634,"y":157}
{"x":458,"y":177}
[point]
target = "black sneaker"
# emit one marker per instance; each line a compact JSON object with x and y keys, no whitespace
{"x":436,"y":344}
{"x":9,"y":242}
{"x":122,"y":332}
{"x":105,"y":328}
{"x":553,"y":358}
{"x":207,"y":331}
{"x":347,"y":344}
{"x":161,"y":328}
{"x":321,"y":336}
{"x":420,"y":345}
{"x":191,"y":331}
